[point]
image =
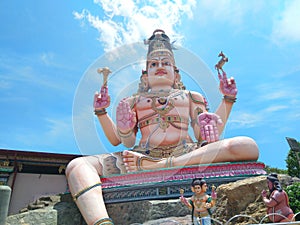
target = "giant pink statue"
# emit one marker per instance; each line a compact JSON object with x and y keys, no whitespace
{"x":162,"y":110}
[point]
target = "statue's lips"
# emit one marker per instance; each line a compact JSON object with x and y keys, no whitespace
{"x":160,"y":73}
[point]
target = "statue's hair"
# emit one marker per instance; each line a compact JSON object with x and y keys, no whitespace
{"x":198,"y":181}
{"x":273,"y":177}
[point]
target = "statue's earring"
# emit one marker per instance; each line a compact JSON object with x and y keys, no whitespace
{"x":144,"y":79}
{"x":178,"y":83}
{"x":143,"y":85}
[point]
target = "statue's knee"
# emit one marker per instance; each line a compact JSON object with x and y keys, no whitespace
{"x":73,"y":165}
{"x":250,"y":143}
{"x":243,"y":146}
{"x":242,"y":142}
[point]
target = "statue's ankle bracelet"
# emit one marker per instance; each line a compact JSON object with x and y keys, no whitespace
{"x":104,"y":221}
{"x":169,"y":162}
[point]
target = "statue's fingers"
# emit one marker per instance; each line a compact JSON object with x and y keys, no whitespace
{"x":208,"y":133}
{"x":124,"y":108}
{"x":133,"y":118}
{"x":212,"y":134}
{"x":216,"y":133}
{"x":220,"y":122}
{"x":220,"y":76}
{"x":224,"y":75}
{"x":229,"y":81}
{"x":213,"y":122}
{"x":202,"y":133}
{"x":103,"y":91}
{"x":96,"y":95}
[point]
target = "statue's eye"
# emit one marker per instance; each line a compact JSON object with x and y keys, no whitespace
{"x":153,"y":64}
{"x":166,"y":63}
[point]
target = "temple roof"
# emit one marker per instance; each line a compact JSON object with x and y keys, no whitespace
{"x":35,"y":162}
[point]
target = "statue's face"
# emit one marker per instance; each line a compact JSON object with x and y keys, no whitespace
{"x":160,"y":72}
{"x":270,"y":184}
{"x":197,"y":189}
{"x":204,"y":187}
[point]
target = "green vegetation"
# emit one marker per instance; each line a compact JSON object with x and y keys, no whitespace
{"x":269,"y":170}
{"x":292,"y":163}
{"x":293,"y":192}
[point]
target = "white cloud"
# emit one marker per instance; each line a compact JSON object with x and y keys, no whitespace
{"x":221,"y":10}
{"x":272,"y":103}
{"x":227,"y":12}
{"x":274,"y":94}
{"x":275,"y":108}
{"x":58,"y":132}
{"x":245,"y":119}
{"x":276,"y":90}
{"x":47,"y":58}
{"x":286,"y":28}
{"x":130,"y":21}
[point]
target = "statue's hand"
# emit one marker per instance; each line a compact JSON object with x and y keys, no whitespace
{"x":184,"y":200}
{"x":208,"y":205}
{"x":209,"y":123}
{"x":213,"y":194}
{"x":126,"y":118}
{"x":264,"y":193}
{"x":102,"y":99}
{"x":227,"y":85}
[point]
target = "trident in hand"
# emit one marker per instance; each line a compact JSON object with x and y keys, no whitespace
{"x":181,"y":192}
{"x":105,"y":71}
{"x":213,"y":187}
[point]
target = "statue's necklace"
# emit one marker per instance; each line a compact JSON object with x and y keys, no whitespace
{"x":199,"y":201}
{"x":162,"y":100}
{"x":167,"y":105}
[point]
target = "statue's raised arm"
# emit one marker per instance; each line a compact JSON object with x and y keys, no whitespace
{"x":101,"y":102}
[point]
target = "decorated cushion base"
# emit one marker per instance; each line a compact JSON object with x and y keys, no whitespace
{"x":166,"y":183}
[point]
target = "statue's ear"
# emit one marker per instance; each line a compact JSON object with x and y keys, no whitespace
{"x":144,"y":74}
{"x":143,"y":85}
{"x":177,"y":75}
{"x":192,"y":188}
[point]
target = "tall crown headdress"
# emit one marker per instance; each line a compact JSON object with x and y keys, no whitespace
{"x":159,"y":44}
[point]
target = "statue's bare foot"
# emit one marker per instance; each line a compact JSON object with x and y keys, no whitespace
{"x":135,"y":161}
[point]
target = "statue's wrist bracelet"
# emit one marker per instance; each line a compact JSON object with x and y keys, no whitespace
{"x":230,"y":99}
{"x":124,"y":135}
{"x":99,"y":112}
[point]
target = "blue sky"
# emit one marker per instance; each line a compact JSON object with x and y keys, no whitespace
{"x":48,"y":47}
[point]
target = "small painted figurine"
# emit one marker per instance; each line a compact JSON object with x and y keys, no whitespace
{"x":200,"y":203}
{"x":277,"y":201}
{"x":163,"y":111}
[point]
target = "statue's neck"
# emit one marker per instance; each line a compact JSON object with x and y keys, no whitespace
{"x":161,"y":89}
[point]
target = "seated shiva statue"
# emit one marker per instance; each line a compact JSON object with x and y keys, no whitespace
{"x":162,"y":110}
